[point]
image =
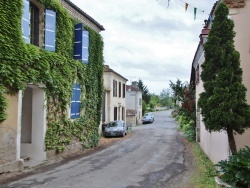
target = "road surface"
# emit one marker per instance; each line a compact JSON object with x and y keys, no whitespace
{"x":150,"y":157}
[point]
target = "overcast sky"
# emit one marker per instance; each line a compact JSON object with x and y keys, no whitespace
{"x":147,"y":40}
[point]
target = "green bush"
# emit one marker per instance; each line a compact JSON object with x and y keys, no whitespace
{"x":236,"y":170}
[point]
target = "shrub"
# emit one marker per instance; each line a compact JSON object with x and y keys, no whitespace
{"x":236,"y":169}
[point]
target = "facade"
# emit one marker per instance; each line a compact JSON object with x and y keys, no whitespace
{"x":23,"y":131}
{"x":133,"y":103}
{"x":215,"y":144}
{"x":114,"y":102}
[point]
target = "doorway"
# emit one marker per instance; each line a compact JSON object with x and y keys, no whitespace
{"x":33,"y":123}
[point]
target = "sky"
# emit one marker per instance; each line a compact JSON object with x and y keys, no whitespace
{"x":149,"y":40}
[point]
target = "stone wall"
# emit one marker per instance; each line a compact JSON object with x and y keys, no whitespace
{"x":70,"y":150}
{"x":235,"y":3}
{"x":7,"y":145}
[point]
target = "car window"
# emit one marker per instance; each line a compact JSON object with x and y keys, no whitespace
{"x":113,"y":124}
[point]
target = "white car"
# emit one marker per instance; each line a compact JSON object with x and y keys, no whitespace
{"x":150,"y":114}
{"x":115,"y":128}
{"x":147,"y":119}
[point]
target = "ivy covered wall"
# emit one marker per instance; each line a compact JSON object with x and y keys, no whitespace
{"x":23,"y":63}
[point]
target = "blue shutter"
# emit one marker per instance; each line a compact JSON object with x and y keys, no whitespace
{"x":75,"y":103}
{"x":85,"y":47}
{"x":81,"y":47}
{"x":78,"y":42}
{"x":50,"y":30}
{"x":26,"y":21}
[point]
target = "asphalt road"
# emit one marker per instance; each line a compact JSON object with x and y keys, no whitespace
{"x":150,"y":157}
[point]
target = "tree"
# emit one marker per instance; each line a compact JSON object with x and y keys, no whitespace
{"x":166,"y":98}
{"x":223,"y":102}
{"x":178,"y":90}
{"x":144,"y":90}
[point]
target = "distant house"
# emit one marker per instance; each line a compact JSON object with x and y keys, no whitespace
{"x":46,"y":90}
{"x":215,"y":144}
{"x":114,"y":103}
{"x":133,"y":104}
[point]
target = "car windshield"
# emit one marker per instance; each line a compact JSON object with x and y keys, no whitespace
{"x":115,"y":124}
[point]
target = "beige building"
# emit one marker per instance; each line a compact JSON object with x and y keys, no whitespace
{"x":133,"y":104}
{"x":215,"y":144}
{"x":114,"y":103}
{"x":22,"y":134}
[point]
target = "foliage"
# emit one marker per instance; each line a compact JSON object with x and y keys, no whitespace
{"x":185,"y":112}
{"x":145,"y":93}
{"x":236,"y":169}
{"x":223,"y":102}
{"x":154,"y":101}
{"x":186,"y":125}
{"x":205,"y":171}
{"x":177,"y":90}
{"x":23,"y":63}
{"x":166,"y":98}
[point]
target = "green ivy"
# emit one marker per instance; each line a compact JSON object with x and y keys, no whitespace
{"x":23,"y":63}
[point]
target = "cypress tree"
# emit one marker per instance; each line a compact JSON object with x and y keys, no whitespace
{"x":223,"y":102}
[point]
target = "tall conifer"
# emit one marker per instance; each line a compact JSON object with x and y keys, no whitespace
{"x":223,"y":102}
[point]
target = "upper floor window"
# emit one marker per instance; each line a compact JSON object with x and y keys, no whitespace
{"x":120,"y":89}
{"x":140,"y":102}
{"x":124,"y":90}
{"x":114,"y":88}
{"x":81,"y":44}
{"x":32,"y":23}
{"x":197,"y":75}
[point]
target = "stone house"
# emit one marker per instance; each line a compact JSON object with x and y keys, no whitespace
{"x":23,"y":131}
{"x":133,"y":104}
{"x":114,"y":97}
{"x":215,"y":144}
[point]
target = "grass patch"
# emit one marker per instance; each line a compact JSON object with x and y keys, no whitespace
{"x":205,"y":170}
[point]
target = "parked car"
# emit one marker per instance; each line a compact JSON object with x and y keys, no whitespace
{"x":150,"y":114}
{"x":147,"y":119}
{"x":115,"y":128}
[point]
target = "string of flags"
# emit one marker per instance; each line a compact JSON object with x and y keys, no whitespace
{"x":195,"y":9}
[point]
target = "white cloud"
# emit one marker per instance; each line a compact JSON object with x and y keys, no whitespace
{"x":146,"y":39}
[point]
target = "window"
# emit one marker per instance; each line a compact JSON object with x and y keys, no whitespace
{"x":120,"y":88}
{"x":115,"y":113}
{"x":123,"y":113}
{"x":34,"y":24}
{"x":30,"y":25}
{"x":124,"y":90}
{"x":114,"y":88}
{"x":197,"y":75}
{"x":81,"y":47}
{"x":139,"y":102}
{"x":75,"y":102}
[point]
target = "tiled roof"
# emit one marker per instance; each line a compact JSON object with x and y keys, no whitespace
{"x":107,"y":69}
{"x":85,"y":14}
{"x":132,"y":88}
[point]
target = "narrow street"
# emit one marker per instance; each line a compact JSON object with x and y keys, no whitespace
{"x":150,"y":157}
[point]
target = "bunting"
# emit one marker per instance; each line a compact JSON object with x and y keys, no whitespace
{"x":187,"y":5}
{"x":195,"y":10}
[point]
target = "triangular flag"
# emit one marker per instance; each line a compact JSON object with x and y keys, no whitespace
{"x":195,"y":9}
{"x":186,"y":6}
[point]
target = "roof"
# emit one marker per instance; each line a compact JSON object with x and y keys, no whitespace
{"x":132,"y":88}
{"x":85,"y":15}
{"x":107,"y":69}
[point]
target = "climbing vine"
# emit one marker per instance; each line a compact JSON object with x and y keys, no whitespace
{"x":23,"y":63}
